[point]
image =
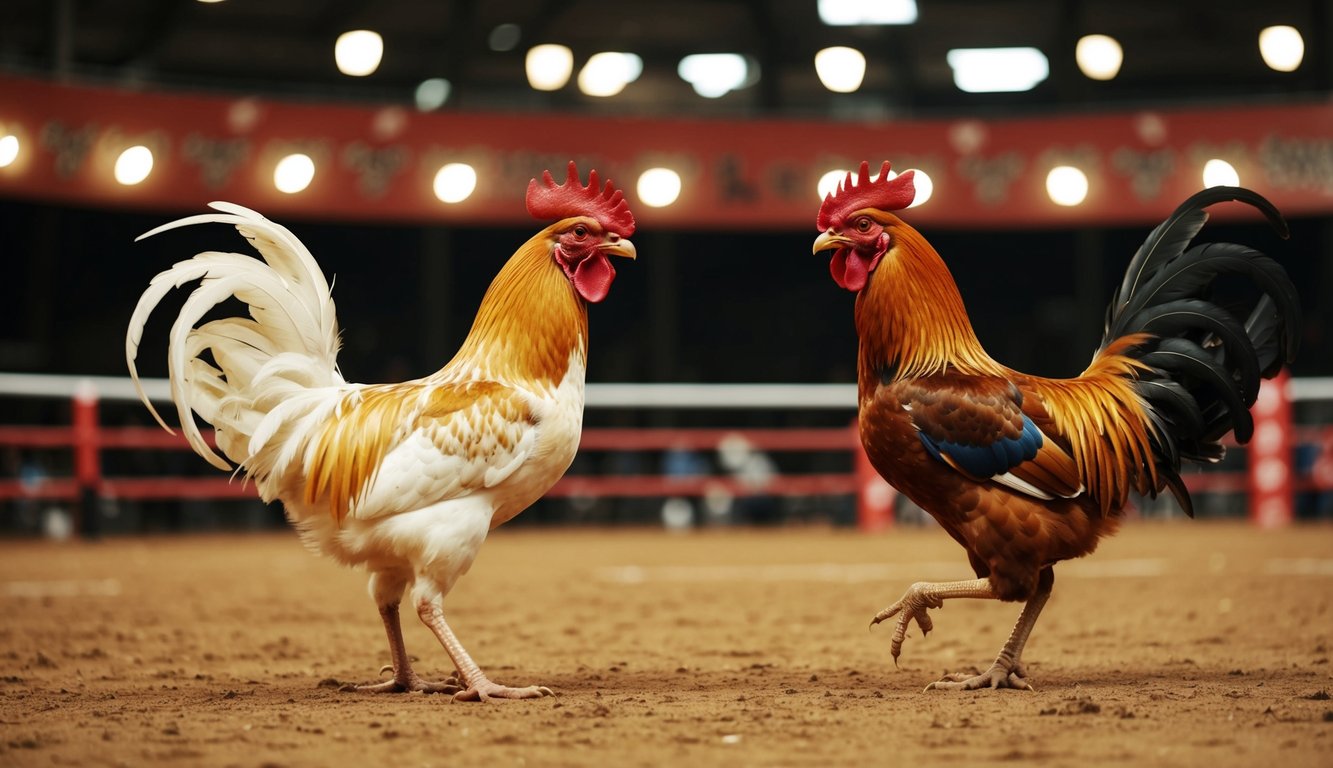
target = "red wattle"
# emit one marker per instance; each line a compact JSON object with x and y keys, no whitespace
{"x":593,"y":276}
{"x":849,"y":270}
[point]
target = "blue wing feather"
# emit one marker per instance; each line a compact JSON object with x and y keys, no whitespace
{"x":990,"y":459}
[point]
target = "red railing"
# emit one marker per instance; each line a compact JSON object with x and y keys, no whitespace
{"x":1270,"y":486}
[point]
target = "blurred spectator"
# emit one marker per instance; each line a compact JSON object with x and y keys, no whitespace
{"x":754,"y":472}
{"x":680,"y":462}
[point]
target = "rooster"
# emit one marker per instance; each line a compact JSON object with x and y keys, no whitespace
{"x":405,"y":479}
{"x":1024,"y":471}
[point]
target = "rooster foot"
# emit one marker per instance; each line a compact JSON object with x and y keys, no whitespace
{"x":910,"y":607}
{"x":998,"y":676}
{"x":484,"y":690}
{"x":408,"y":681}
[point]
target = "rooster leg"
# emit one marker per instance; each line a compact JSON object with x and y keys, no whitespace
{"x":479,"y":688}
{"x":386,"y":589}
{"x":922,"y":596}
{"x":1007,"y":671}
{"x":404,"y":677}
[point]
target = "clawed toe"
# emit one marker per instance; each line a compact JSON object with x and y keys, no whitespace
{"x":995,"y":678}
{"x":407,"y":682}
{"x":913,"y":606}
{"x":485,"y":690}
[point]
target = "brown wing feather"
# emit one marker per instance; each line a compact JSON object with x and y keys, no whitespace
{"x":981,"y":410}
{"x":1053,"y":470}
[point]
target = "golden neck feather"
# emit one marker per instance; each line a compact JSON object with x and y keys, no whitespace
{"x":530,"y":321}
{"x":910,"y":316}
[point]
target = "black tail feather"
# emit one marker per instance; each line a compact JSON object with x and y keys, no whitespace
{"x":1184,"y":361}
{"x":1204,"y":360}
{"x":1170,"y":237}
{"x":1265,"y":329}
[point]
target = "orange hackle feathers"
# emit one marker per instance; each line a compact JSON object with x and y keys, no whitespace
{"x":549,"y":200}
{"x":1106,"y":425}
{"x":913,"y":315}
{"x":884,"y":194}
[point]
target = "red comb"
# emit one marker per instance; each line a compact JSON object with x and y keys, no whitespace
{"x":549,"y":200}
{"x":884,"y":194}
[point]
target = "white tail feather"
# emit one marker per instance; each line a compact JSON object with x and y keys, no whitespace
{"x":252,"y":389}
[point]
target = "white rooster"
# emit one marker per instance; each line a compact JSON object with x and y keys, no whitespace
{"x":405,"y":479}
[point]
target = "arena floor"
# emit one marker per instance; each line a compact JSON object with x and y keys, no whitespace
{"x":1180,"y":644}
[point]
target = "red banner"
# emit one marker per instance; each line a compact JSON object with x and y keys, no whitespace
{"x":379,"y":163}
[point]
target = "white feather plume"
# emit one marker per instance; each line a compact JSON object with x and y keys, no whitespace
{"x":269,"y":372}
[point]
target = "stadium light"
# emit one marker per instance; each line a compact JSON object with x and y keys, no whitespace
{"x":607,"y":73}
{"x":358,"y":53}
{"x":134,"y":165}
{"x":1220,"y":173}
{"x":455,"y":182}
{"x":1282,"y":47}
{"x":659,"y":187}
{"x":1099,"y":56}
{"x":431,"y":94}
{"x":845,"y":13}
{"x":713,"y":75}
{"x":293,"y":173}
{"x":1067,"y":185}
{"x":997,"y":70}
{"x":504,"y":37}
{"x":549,"y":66}
{"x":840,"y":69}
{"x":9,"y":150}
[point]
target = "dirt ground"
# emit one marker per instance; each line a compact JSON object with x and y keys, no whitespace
{"x":1177,"y":644}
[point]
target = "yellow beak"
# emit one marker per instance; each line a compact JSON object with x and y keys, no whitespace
{"x":829,"y":240}
{"x":619,"y":246}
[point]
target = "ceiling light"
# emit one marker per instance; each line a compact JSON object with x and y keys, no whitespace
{"x":659,"y":187}
{"x":993,"y":70}
{"x":1283,"y":48}
{"x":607,"y":73}
{"x":1220,"y":173}
{"x":1066,"y":185}
{"x":1099,"y":56}
{"x":455,"y":182}
{"x":9,"y":150}
{"x":841,"y":13}
{"x":840,"y":69}
{"x":431,"y":94}
{"x":714,"y":74}
{"x":293,"y":173}
{"x":828,"y":183}
{"x":549,"y":66}
{"x":134,"y":165}
{"x":504,"y":37}
{"x":358,"y":52}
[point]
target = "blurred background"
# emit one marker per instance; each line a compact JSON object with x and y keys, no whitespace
{"x":396,"y":138}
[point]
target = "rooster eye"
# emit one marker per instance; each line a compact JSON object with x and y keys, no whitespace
{"x":863,"y":224}
{"x":580,"y":231}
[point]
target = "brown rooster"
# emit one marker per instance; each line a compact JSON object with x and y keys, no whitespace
{"x":405,"y":479}
{"x":1025,"y":471}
